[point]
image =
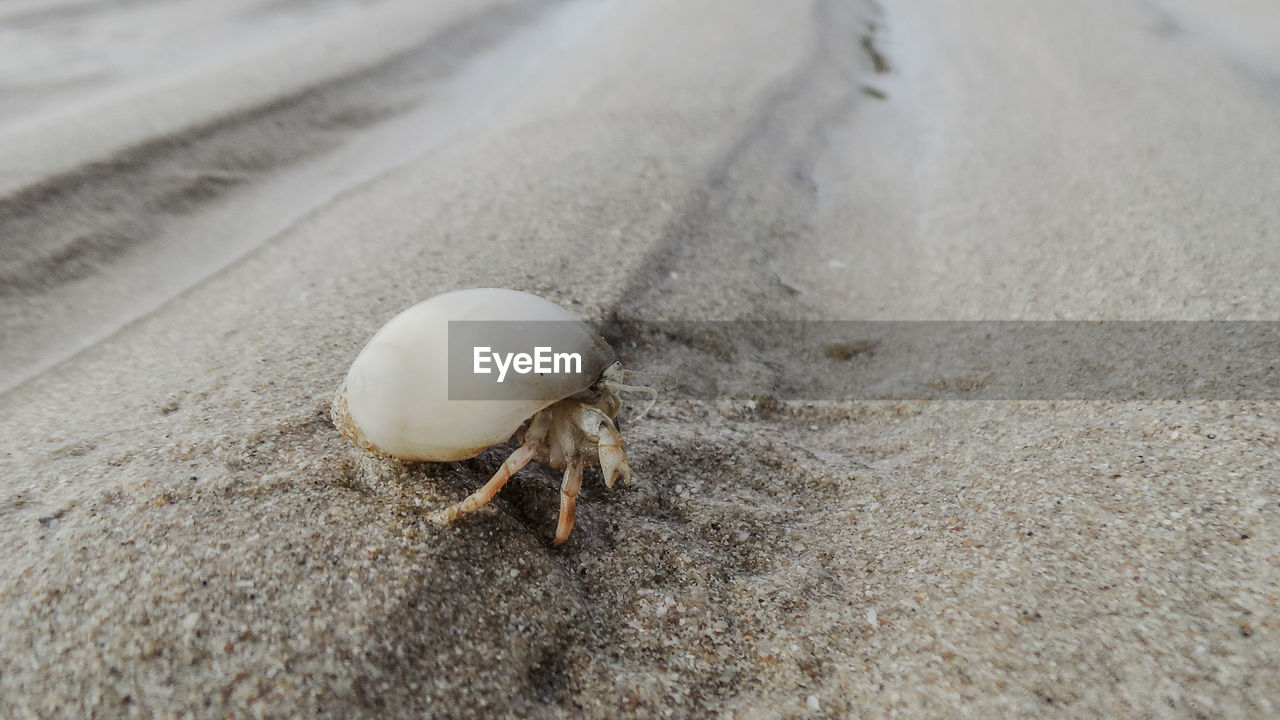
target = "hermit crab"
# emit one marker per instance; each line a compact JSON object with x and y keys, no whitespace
{"x":401,"y":396}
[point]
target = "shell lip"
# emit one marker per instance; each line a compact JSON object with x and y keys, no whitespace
{"x":341,"y":418}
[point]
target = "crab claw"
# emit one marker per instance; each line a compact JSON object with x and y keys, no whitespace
{"x":613,"y":463}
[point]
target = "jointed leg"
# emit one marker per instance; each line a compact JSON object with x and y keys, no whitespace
{"x":613,"y":459}
{"x":477,"y":499}
{"x":568,"y":500}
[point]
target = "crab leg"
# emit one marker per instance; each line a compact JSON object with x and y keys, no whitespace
{"x":613,"y":459}
{"x":568,"y":501}
{"x":477,"y":499}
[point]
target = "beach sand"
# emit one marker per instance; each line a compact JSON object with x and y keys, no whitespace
{"x":184,"y":533}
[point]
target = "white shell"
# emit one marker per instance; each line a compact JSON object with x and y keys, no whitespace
{"x":395,"y":398}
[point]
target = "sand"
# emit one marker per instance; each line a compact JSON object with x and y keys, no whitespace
{"x":184,"y":533}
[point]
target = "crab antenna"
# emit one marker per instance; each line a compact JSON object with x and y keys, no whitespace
{"x":639,"y":389}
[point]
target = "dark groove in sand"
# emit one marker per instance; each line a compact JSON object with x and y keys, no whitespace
{"x":102,"y":233}
{"x":63,"y":229}
{"x":769,"y":164}
{"x":756,"y":203}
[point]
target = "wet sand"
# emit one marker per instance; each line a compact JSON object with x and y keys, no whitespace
{"x":184,"y":531}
